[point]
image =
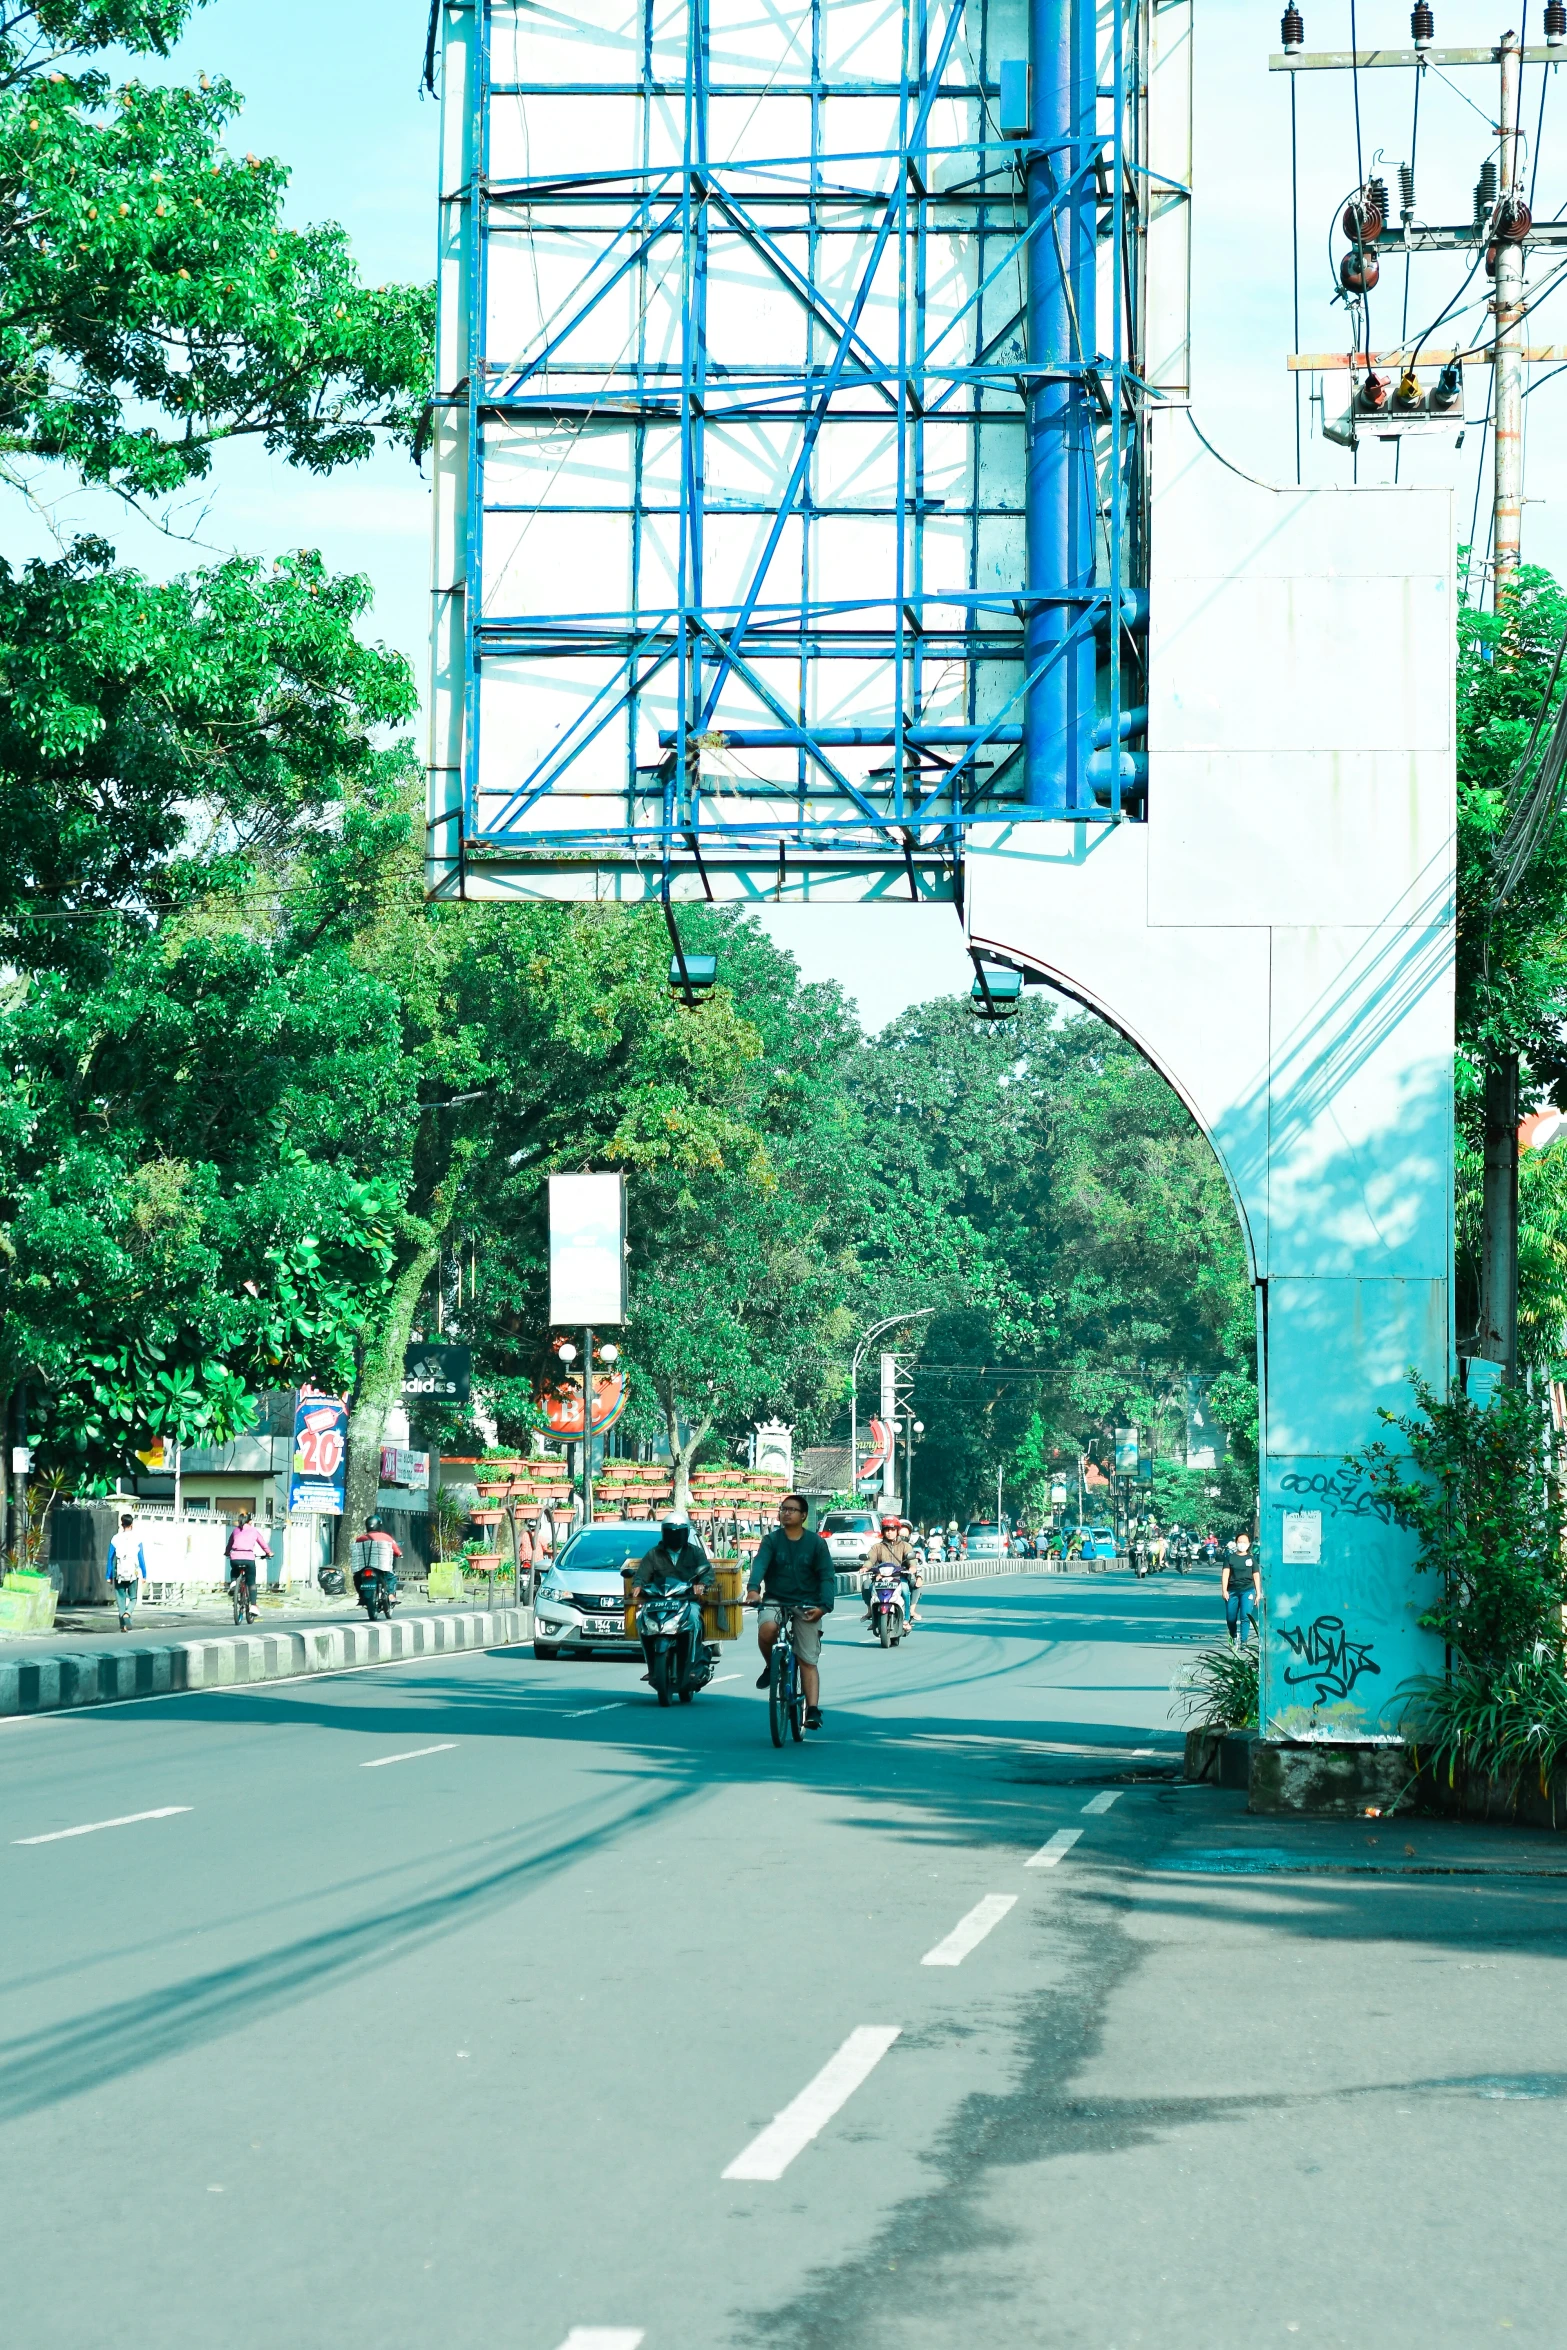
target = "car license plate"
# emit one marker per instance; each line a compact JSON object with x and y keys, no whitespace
{"x":606,"y":1623}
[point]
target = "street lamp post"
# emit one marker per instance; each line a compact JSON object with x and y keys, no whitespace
{"x":912,"y":1428}
{"x":891,"y":1322}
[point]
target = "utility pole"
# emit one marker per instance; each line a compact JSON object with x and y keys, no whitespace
{"x":1497,"y":1337}
{"x":1501,"y":232}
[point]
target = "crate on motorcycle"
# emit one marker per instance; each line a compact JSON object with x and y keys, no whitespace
{"x":721,"y":1621}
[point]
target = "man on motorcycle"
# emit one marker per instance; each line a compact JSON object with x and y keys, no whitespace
{"x":676,"y":1557}
{"x":892,"y":1550}
{"x":376,"y":1552}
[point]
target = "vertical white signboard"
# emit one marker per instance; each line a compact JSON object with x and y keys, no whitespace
{"x":587,"y":1250}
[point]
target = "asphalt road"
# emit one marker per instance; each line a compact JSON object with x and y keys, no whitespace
{"x":436,"y":2001}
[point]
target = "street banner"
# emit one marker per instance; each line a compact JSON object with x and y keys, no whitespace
{"x":880,"y":1453}
{"x":443,"y":1373}
{"x":319,"y":1466}
{"x":1126,"y":1452}
{"x":563,"y":1406}
{"x":587,"y":1251}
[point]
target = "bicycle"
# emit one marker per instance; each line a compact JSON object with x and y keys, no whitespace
{"x":239,"y":1593}
{"x":785,"y":1697}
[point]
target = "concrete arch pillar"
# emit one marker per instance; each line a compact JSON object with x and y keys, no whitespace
{"x":1278,"y":940}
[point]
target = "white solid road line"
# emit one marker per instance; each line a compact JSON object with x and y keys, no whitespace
{"x":1102,"y":1802}
{"x":1048,"y":1854}
{"x":788,"y":2133}
{"x":447,"y":1746}
{"x":603,"y":2338}
{"x":582,"y":1711}
{"x":970,"y":1931}
{"x":128,"y":1820}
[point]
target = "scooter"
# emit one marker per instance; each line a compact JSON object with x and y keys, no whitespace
{"x":935,"y":1548}
{"x":888,"y":1604}
{"x":679,"y":1660}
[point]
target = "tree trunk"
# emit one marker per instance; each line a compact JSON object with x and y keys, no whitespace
{"x":380,"y":1384}
{"x":681,"y":1456}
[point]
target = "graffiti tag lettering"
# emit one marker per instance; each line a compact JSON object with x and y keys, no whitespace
{"x":1340,"y":1492}
{"x":1327,"y":1658}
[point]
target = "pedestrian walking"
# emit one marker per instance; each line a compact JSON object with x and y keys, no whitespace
{"x":127,"y":1569}
{"x":1240,"y":1583}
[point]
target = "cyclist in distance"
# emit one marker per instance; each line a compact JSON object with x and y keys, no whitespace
{"x":793,"y":1578}
{"x":246,"y":1545}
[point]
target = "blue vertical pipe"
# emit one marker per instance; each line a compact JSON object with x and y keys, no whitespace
{"x":1059,"y":482}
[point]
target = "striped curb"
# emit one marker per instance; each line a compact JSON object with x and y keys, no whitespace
{"x":57,"y":1684}
{"x":966,"y":1571}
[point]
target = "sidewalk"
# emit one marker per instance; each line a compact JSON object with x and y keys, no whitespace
{"x":78,"y":1628}
{"x":57,"y":1674}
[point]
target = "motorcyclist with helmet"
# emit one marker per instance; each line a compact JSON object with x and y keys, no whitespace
{"x":676,"y":1557}
{"x":376,"y":1553}
{"x":894,"y":1549}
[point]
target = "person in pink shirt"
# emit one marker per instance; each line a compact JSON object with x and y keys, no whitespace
{"x":245,"y":1545}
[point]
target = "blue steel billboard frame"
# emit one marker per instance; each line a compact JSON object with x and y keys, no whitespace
{"x":1041,"y":358}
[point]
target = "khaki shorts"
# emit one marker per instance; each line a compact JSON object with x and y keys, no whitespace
{"x":807,"y":1638}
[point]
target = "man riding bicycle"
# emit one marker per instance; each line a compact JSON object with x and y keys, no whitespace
{"x":894,"y":1550}
{"x":796,"y":1572}
{"x":246,"y":1545}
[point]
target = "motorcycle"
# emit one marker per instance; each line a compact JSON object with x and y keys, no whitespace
{"x":679,"y":1660}
{"x":376,"y":1589}
{"x":1180,"y":1554}
{"x":888,"y":1603}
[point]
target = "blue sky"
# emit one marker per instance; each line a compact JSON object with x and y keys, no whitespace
{"x":334,"y":91}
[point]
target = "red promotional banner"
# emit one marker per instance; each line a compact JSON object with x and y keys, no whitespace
{"x":563,"y":1406}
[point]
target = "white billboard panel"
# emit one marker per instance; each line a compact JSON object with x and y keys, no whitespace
{"x":587,"y":1250}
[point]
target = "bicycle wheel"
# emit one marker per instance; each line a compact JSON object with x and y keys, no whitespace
{"x":237,"y":1594}
{"x":778,"y":1692}
{"x":796,"y":1699}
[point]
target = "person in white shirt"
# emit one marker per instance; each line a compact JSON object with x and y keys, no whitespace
{"x":127,"y":1569}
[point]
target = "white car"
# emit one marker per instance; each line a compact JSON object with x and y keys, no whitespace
{"x":849,"y":1535}
{"x":984,"y":1539}
{"x":580,"y":1601}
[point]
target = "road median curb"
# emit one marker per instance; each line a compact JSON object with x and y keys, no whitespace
{"x":61,"y":1683}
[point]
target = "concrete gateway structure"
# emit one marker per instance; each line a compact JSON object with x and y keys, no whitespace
{"x":819,"y":513}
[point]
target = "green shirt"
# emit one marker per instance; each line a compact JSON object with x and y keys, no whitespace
{"x":800,"y":1572}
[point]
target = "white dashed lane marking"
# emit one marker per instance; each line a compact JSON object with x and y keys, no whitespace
{"x":969,"y":1932}
{"x":1059,"y":1845}
{"x":126,"y":1820}
{"x":410,"y":1754}
{"x":790,"y":2132}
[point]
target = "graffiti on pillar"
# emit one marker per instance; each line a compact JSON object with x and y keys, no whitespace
{"x":1326,"y":1657}
{"x":1342,"y":1492}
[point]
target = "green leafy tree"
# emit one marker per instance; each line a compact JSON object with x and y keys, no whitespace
{"x":152,"y":302}
{"x":1088,"y":1239}
{"x":1479,"y":1490}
